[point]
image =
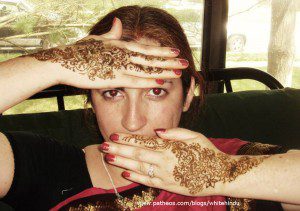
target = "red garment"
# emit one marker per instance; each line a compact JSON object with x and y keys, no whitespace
{"x":172,"y":201}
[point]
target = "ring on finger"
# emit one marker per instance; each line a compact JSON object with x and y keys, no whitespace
{"x":150,"y":171}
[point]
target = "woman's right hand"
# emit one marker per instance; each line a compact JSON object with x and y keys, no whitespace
{"x":105,"y":62}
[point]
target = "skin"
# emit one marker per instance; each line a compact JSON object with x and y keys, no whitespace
{"x":197,"y":167}
{"x":186,"y":162}
{"x":51,"y":67}
{"x":102,"y":63}
{"x":37,"y":74}
{"x":135,"y":111}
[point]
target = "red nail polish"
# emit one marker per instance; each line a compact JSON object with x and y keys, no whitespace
{"x":114,"y":137}
{"x":177,"y":72}
{"x":125,"y":174}
{"x":175,"y":50}
{"x":160,"y":81}
{"x":184,"y":62}
{"x":114,"y":20}
{"x":110,"y":158}
{"x":160,"y":130}
{"x":104,"y":146}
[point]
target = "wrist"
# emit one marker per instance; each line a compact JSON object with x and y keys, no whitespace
{"x":229,"y":166}
{"x":239,"y":170}
{"x":45,"y":69}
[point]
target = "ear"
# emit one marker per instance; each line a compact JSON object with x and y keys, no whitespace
{"x":189,"y":96}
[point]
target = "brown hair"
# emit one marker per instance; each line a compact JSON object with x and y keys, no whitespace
{"x":156,"y":24}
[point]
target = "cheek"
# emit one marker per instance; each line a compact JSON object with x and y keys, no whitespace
{"x":165,"y":114}
{"x":106,"y":116}
{"x":108,"y":121}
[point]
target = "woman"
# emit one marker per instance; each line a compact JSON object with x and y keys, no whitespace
{"x":119,"y":68}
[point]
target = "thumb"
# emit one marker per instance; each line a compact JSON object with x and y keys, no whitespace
{"x":176,"y":133}
{"x":115,"y":31}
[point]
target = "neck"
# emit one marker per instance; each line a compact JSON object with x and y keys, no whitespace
{"x":116,"y":174}
{"x":97,"y":171}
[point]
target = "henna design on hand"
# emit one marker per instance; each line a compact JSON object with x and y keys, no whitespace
{"x":96,"y":59}
{"x":198,"y":168}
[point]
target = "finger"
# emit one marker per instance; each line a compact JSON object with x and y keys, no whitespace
{"x":139,"y":82}
{"x":125,"y":81}
{"x":112,"y":35}
{"x":154,"y":182}
{"x":152,"y":143}
{"x":149,"y":49}
{"x":151,"y":72}
{"x":173,"y":63}
{"x":176,"y":133}
{"x":132,"y":165}
{"x":131,"y":152}
{"x":115,"y":31}
{"x":129,"y":82}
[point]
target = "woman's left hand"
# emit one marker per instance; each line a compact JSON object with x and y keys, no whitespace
{"x":180,"y":161}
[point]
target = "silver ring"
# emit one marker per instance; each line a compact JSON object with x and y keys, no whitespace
{"x":151,"y":171}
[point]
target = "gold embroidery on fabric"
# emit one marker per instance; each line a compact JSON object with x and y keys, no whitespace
{"x":137,"y":201}
{"x":127,"y":204}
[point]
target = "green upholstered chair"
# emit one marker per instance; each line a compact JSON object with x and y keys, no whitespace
{"x":271,"y":116}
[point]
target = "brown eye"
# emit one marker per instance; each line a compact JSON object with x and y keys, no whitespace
{"x":111,"y":93}
{"x":157,"y":92}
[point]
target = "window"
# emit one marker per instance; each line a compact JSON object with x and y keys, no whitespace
{"x":264,"y":34}
{"x":45,"y":24}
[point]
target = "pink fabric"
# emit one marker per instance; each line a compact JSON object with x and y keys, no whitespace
{"x":229,"y":146}
{"x":167,"y":200}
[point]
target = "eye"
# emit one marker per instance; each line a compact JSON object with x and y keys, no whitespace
{"x":111,"y":93}
{"x":157,"y":92}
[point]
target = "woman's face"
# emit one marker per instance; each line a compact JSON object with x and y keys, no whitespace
{"x":138,"y":111}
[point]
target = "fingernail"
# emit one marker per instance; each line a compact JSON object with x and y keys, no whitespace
{"x":104,"y":146}
{"x":175,"y":50}
{"x":114,"y":137}
{"x":160,"y":81}
{"x":184,"y":62}
{"x":125,"y":174}
{"x":110,"y":158}
{"x":160,"y":130}
{"x":177,"y":72}
{"x":114,"y":20}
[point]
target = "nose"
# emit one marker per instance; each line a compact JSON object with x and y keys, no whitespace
{"x":134,"y":118}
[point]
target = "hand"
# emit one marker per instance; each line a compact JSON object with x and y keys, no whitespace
{"x":183,"y":161}
{"x":106,"y":62}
